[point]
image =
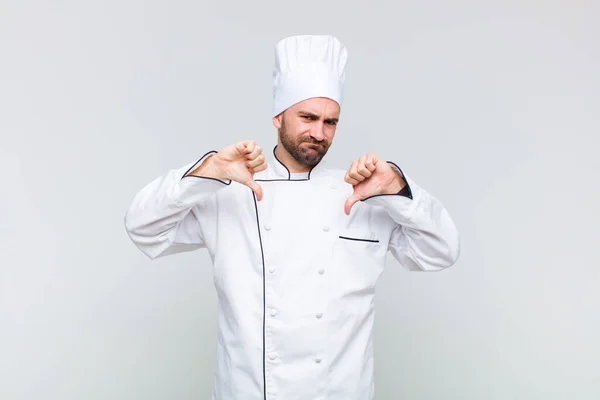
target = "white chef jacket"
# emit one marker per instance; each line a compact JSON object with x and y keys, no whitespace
{"x":295,"y":276}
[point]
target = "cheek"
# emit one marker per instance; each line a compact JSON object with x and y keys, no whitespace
{"x":330,"y":133}
{"x":301,"y":130}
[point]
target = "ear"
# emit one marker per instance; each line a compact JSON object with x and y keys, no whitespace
{"x":277,"y":120}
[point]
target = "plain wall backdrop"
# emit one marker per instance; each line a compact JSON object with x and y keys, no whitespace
{"x":492,"y":107}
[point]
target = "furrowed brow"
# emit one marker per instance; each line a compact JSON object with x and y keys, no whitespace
{"x":308,"y":114}
{"x":316,"y":116}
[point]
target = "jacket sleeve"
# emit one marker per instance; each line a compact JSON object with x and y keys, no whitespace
{"x":424,"y":237}
{"x":166,"y":216}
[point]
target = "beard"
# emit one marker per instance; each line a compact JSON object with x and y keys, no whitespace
{"x":309,"y":155}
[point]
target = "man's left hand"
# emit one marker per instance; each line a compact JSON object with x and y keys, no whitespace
{"x":371,"y":176}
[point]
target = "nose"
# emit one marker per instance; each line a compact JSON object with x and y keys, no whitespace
{"x":316,"y":131}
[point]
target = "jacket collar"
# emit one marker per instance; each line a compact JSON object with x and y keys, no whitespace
{"x":282,"y":172}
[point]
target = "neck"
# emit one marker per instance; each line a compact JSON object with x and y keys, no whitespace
{"x":290,"y":162}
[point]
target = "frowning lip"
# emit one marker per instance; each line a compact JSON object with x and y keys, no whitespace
{"x":313,"y":145}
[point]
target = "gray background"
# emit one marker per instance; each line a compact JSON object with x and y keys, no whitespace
{"x":493,"y":108}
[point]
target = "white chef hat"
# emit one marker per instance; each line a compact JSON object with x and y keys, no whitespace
{"x":308,"y":66}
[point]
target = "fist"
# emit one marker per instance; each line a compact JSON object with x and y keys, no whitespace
{"x":370,"y":176}
{"x":237,"y":162}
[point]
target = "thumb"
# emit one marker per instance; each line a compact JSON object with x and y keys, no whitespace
{"x":353,"y":199}
{"x":256,"y":188}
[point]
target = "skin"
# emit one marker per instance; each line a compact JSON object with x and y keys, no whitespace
{"x":305,"y":134}
{"x":306,"y":131}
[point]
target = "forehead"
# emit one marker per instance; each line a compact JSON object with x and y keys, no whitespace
{"x":321,"y":106}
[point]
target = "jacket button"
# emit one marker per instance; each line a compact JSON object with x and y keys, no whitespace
{"x":271,"y":269}
{"x":319,"y":315}
{"x":321,"y":271}
{"x":326,"y":228}
{"x":273,"y":312}
{"x":267,"y":227}
{"x":318,"y":360}
{"x":272,"y":356}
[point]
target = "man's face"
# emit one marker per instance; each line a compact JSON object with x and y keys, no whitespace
{"x":307,"y":128}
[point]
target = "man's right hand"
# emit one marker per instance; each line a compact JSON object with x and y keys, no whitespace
{"x":237,"y":162}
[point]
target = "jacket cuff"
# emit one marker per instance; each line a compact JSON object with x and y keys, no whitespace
{"x":197,"y":164}
{"x":400,"y":208}
{"x":406,"y":190}
{"x":403,"y":205}
{"x":192,"y":187}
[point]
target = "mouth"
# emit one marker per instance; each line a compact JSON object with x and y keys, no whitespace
{"x":314,"y":146}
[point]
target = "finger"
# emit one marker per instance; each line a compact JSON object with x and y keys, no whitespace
{"x":353,"y":173}
{"x":259,"y":168}
{"x":255,"y":188}
{"x":246,"y":146}
{"x":370,"y":162}
{"x":250,"y":146}
{"x":350,"y":203}
{"x":361,"y":168}
{"x":256,"y":161}
{"x":350,"y":180}
{"x":256,"y":151}
{"x":375,"y":159}
{"x":241,"y":147}
{"x":347,"y":176}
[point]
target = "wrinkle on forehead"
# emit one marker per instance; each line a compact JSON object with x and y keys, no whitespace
{"x":318,"y":106}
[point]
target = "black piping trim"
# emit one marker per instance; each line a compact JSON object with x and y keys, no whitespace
{"x":185,"y":175}
{"x":289,"y":178}
{"x":286,"y":168}
{"x":262,"y":255}
{"x":401,"y":192}
{"x":360,"y":240}
{"x":281,"y":180}
{"x":310,"y":172}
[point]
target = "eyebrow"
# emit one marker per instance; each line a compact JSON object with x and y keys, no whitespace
{"x":313,"y":115}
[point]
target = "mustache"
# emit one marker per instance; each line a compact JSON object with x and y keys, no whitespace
{"x":311,"y":140}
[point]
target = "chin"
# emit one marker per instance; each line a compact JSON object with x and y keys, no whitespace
{"x":312,"y":159}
